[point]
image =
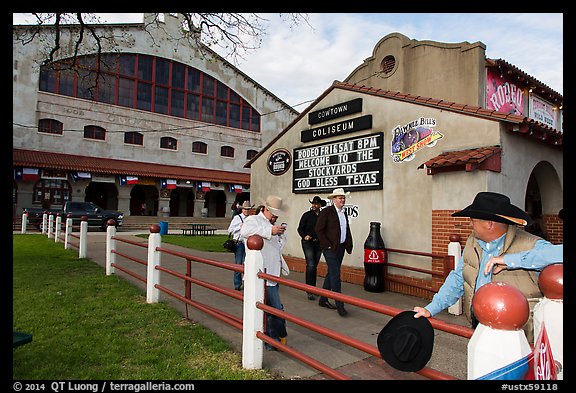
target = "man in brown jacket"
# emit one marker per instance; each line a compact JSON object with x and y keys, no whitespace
{"x":333,"y":231}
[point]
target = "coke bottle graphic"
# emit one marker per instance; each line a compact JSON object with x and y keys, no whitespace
{"x":374,"y":260}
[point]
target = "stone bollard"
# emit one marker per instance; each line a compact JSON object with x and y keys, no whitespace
{"x":499,"y":349}
{"x":253,"y":317}
{"x":549,"y":313}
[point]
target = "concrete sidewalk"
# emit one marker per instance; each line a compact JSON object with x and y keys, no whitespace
{"x":450,"y":351}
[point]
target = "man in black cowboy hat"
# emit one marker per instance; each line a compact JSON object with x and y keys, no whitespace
{"x":496,"y":250}
{"x":310,"y":244}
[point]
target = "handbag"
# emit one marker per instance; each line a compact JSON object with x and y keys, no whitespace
{"x":230,"y":244}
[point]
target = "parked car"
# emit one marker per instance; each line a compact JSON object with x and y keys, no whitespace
{"x":97,"y":216}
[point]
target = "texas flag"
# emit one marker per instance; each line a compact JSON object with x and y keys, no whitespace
{"x":203,"y":186}
{"x":131,"y":179}
{"x":30,"y":174}
{"x":237,"y":188}
{"x":124,"y":180}
{"x":170,"y":184}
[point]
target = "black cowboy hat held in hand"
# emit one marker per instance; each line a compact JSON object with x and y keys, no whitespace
{"x":406,"y":343}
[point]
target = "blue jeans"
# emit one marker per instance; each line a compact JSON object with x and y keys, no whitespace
{"x":312,"y":254}
{"x":332,"y":281}
{"x":239,"y":257}
{"x":275,"y":326}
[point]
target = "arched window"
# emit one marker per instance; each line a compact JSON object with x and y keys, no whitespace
{"x":50,"y":126}
{"x":199,"y":147}
{"x":133,"y":138}
{"x":250,"y":154}
{"x":167,"y":142}
{"x":94,"y":132}
{"x":51,"y":192}
{"x":227,"y":151}
{"x":153,"y":84}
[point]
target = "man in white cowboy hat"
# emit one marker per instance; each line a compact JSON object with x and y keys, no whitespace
{"x":333,"y":231}
{"x":274,"y":239}
{"x":240,"y":253}
{"x":496,"y":250}
{"x":310,"y":244}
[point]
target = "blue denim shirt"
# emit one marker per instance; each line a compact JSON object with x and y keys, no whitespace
{"x":543,"y":254}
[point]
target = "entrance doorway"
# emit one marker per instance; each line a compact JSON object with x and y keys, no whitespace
{"x":104,"y":195}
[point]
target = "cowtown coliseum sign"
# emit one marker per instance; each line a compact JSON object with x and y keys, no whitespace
{"x":353,"y":163}
{"x":338,"y":128}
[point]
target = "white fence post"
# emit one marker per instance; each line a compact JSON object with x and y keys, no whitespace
{"x":455,"y":250}
{"x":153,"y":276}
{"x":50,"y":225}
{"x":24,"y":222}
{"x":68,"y":232}
{"x":44,"y":222}
{"x":549,"y":313}
{"x":82,"y":249}
{"x":110,"y":246}
{"x":498,"y":348}
{"x":253,"y":317}
{"x":58,"y":228}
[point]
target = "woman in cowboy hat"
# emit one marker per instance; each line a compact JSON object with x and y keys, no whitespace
{"x":310,"y":245}
{"x":274,"y":240}
{"x":240,"y":253}
{"x":496,"y":250}
{"x":333,"y":231}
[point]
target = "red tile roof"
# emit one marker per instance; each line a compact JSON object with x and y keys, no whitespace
{"x":70,"y":162}
{"x":487,"y":158}
{"x":517,"y":124}
{"x":531,"y":128}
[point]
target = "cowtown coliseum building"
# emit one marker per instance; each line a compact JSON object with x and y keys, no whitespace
{"x":414,"y":133}
{"x":167,"y":131}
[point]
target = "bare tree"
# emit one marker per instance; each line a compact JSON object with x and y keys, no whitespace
{"x":235,"y":34}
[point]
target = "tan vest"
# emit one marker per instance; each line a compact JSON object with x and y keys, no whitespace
{"x":526,"y":281}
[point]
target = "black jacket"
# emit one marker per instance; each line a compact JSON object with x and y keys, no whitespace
{"x":307,"y":225}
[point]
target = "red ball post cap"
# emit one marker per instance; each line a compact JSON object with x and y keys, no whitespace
{"x":111,"y":222}
{"x":154,"y":228}
{"x":255,"y":242}
{"x":501,"y":306}
{"x":551,"y":281}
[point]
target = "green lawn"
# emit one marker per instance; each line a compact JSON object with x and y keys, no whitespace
{"x":202,"y":243}
{"x":87,"y":325}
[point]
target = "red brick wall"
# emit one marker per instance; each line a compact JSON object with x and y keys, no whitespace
{"x":554,"y":228}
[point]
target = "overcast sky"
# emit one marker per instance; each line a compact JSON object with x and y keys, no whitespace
{"x":299,"y":64}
